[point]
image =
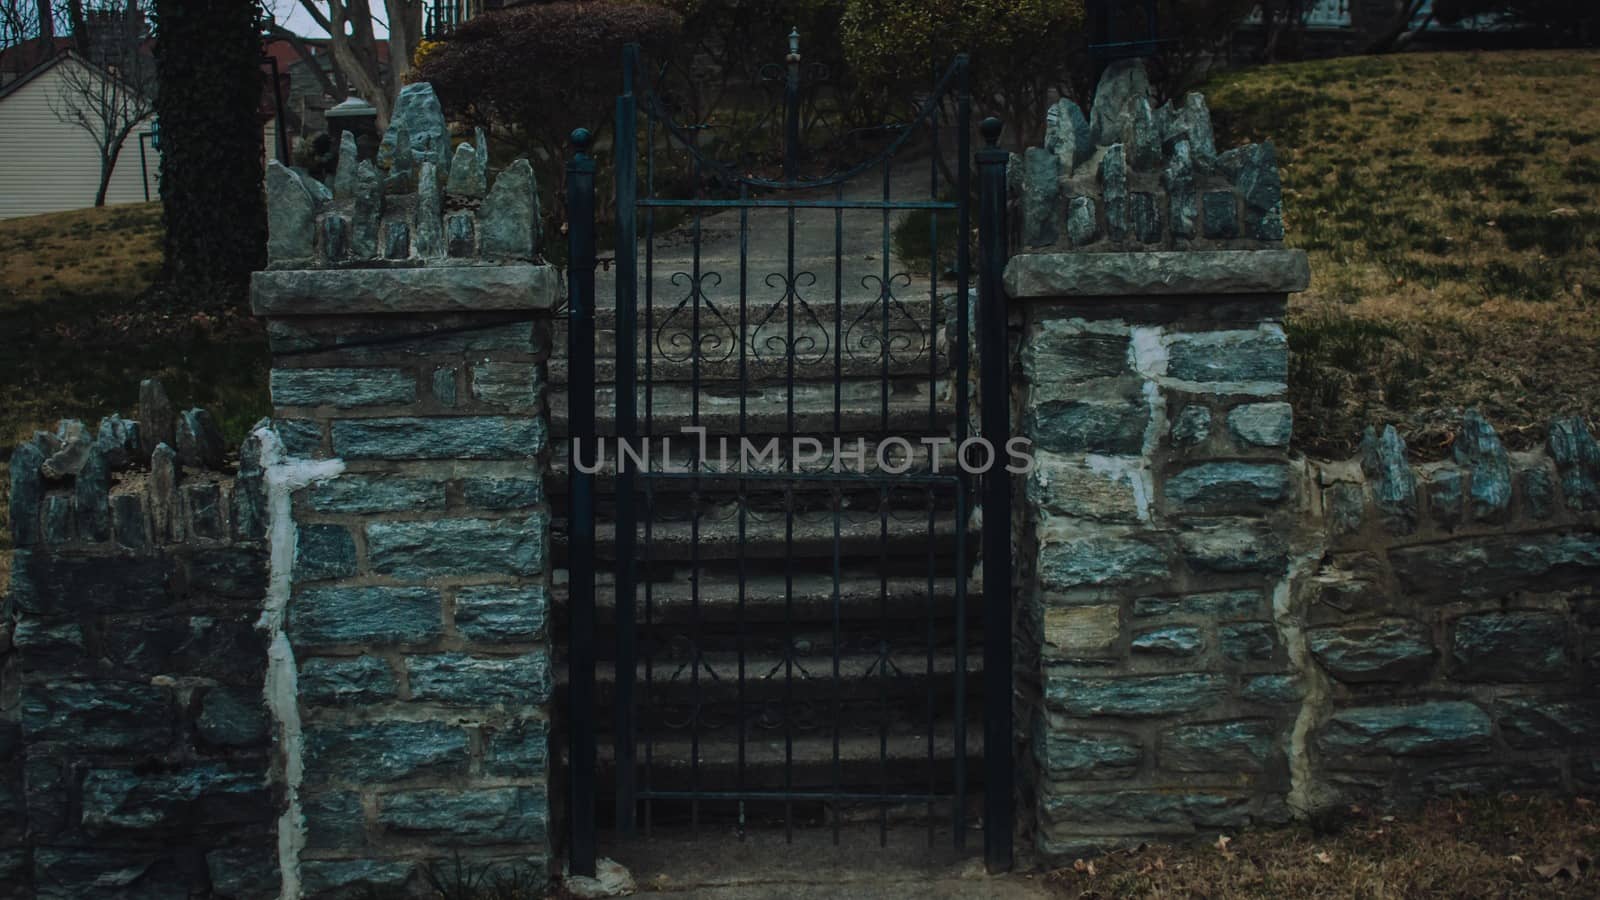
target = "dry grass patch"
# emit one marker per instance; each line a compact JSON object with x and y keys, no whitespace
{"x":1451,"y":206}
{"x":1506,"y":847}
{"x":78,"y":254}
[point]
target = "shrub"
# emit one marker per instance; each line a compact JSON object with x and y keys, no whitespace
{"x":1019,"y":49}
{"x":535,"y":73}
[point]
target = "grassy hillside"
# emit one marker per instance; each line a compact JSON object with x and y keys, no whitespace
{"x":1451,"y":206}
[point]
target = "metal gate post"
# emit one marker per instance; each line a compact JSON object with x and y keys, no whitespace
{"x":626,"y":146}
{"x":580,"y":524}
{"x":995,"y":399}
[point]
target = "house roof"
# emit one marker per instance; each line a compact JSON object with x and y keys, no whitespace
{"x":23,"y":57}
{"x":58,"y":58}
{"x":284,"y":52}
{"x":21,"y":81}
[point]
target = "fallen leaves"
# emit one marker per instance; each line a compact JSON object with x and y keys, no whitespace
{"x":1574,"y":866}
{"x":1476,"y":848}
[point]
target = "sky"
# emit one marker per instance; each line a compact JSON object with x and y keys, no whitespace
{"x":293,"y":16}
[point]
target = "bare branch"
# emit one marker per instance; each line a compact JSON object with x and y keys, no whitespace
{"x":352,"y":27}
{"x":303,"y":50}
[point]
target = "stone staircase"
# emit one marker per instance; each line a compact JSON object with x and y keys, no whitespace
{"x":864,"y":701}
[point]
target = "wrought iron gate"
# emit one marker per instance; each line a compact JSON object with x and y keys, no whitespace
{"x":791,"y":629}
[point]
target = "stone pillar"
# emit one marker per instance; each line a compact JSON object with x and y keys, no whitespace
{"x":410,"y":669}
{"x":1153,"y":540}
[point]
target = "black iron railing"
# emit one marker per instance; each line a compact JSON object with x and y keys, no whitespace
{"x":715,"y":631}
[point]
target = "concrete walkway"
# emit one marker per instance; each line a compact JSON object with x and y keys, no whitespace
{"x":719,"y":866}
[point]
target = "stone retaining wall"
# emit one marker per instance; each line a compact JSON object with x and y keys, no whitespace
{"x":1217,"y":633}
{"x":1453,"y":618}
{"x":134,"y":724}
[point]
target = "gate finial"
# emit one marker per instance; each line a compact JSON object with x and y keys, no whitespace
{"x":990,"y":128}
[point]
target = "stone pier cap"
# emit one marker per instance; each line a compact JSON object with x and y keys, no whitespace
{"x":430,"y":289}
{"x":1157,"y":273}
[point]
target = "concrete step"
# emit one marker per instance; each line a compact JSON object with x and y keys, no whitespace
{"x":908,"y":407}
{"x":807,"y":760}
{"x":717,"y":536}
{"x":863,"y":597}
{"x":766,"y":369}
{"x":856,"y":309}
{"x":827,"y":341}
{"x":679,"y":460}
{"x":672,"y":682}
{"x":755,"y":859}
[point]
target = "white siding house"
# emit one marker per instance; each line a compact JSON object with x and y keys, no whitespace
{"x":47,"y":165}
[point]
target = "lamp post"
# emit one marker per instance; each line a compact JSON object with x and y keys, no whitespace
{"x":360,"y":118}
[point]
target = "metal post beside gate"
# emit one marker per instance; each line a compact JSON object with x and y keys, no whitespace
{"x":995,"y":399}
{"x":626,"y":155}
{"x":580,"y":522}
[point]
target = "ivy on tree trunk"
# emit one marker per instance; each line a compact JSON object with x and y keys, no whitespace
{"x":208,"y":68}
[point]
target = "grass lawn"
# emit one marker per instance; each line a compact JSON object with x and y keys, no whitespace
{"x":76,"y":344}
{"x":1504,"y":847}
{"x":1451,"y":206}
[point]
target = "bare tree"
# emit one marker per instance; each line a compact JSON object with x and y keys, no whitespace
{"x":109,"y":89}
{"x":352,"y":27}
{"x":18,"y":23}
{"x":1280,"y":18}
{"x":1397,"y":32}
{"x":332,"y":82}
{"x":23,"y":22}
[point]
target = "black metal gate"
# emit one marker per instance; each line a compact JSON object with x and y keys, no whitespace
{"x":789,"y":548}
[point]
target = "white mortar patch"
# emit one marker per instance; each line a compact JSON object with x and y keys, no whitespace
{"x":283,"y":476}
{"x":1306,"y":794}
{"x":1149,"y":351}
{"x":1131,"y":470}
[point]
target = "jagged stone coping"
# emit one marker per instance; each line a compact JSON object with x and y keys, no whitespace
{"x":135,"y":483}
{"x":1135,"y":176}
{"x":1481,"y":486}
{"x":411,"y":208}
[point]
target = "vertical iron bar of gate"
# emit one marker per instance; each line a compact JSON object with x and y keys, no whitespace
{"x":791,"y":109}
{"x":995,"y":399}
{"x":626,"y":153}
{"x":580,"y":524}
{"x":959,"y":361}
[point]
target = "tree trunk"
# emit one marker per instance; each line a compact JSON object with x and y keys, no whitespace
{"x":354,"y":48}
{"x":1272,"y":26}
{"x":106,"y":166}
{"x":405,"y":30}
{"x":303,"y":50}
{"x":47,"y":27}
{"x":209,"y":72}
{"x":78,"y":23}
{"x":1389,"y":38}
